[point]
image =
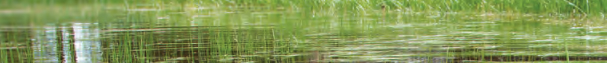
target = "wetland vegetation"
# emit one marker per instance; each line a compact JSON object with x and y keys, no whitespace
{"x":302,"y":31}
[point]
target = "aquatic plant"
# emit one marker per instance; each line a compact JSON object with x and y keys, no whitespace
{"x":291,"y":31}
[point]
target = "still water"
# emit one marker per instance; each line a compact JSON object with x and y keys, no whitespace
{"x":278,"y":35}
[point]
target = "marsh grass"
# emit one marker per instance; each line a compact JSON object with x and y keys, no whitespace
{"x":288,"y":31}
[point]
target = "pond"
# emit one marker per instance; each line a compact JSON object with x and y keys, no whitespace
{"x":170,"y":32}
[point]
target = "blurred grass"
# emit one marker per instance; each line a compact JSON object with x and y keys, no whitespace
{"x":58,"y":11}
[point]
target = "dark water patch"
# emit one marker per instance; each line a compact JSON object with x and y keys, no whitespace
{"x":16,"y":55}
{"x":15,"y":45}
{"x":503,"y":58}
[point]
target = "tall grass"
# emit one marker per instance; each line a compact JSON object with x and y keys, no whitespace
{"x":281,"y":31}
{"x":100,"y":10}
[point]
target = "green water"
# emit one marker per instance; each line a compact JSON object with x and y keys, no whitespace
{"x":225,"y":31}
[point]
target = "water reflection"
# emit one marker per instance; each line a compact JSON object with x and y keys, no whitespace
{"x":86,"y":43}
{"x":77,"y":43}
{"x":45,"y":46}
{"x":278,"y":36}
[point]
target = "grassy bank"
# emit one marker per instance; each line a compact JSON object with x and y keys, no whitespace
{"x":93,"y":10}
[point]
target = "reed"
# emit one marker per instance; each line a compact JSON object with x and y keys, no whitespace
{"x":293,"y":31}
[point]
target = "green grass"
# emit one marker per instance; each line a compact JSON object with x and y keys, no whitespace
{"x":99,"y":10}
{"x":289,"y":31}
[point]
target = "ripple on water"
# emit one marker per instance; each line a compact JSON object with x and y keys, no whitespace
{"x":143,"y":9}
{"x":587,"y":37}
{"x":543,"y":41}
